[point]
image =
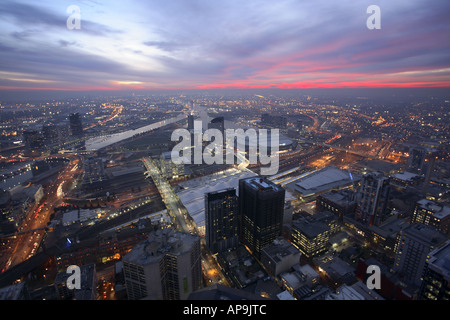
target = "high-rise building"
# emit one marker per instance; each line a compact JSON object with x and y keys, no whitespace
{"x":412,"y":249}
{"x":416,"y":160}
{"x":16,"y":291}
{"x":190,"y":122}
{"x":421,"y":160}
{"x":221,"y":220}
{"x":167,"y":266}
{"x":436,"y":275}
{"x":219,"y":124}
{"x":76,"y":126}
{"x":33,"y":140}
{"x":261,"y":207}
{"x":434,"y":214}
{"x":372,"y":198}
{"x":50,"y":134}
{"x":88,"y":282}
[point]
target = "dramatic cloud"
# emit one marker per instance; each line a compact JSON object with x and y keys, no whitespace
{"x":223,"y":44}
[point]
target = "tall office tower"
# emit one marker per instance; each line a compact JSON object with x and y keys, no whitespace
{"x":421,"y":160}
{"x":221,"y":220}
{"x":436,"y":275}
{"x":217,"y":123}
{"x":76,"y":126}
{"x":433,"y":214}
{"x":167,"y":266}
{"x":412,"y":248}
{"x":372,"y":198}
{"x":416,"y":160}
{"x":190,"y":122}
{"x":261,"y":206}
{"x":50,"y":134}
{"x":33,"y":140}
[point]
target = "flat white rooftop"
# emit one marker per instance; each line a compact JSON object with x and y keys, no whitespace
{"x":193,"y":191}
{"x":321,"y":180}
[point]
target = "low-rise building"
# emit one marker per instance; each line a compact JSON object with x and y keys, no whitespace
{"x":279,"y":257}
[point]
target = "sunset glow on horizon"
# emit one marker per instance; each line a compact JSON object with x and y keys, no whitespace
{"x":198,"y":44}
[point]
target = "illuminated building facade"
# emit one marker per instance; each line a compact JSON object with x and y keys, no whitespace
{"x":434,"y":214}
{"x":167,"y":266}
{"x":372,"y":199}
{"x":261,"y":207}
{"x":221,"y":220}
{"x":436,"y":275}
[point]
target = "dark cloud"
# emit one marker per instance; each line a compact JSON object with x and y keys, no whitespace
{"x":40,"y":17}
{"x":234,"y":41}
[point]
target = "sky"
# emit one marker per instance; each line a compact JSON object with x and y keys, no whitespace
{"x":203,"y":44}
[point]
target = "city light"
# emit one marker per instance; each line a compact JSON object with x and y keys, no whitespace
{"x":241,"y":151}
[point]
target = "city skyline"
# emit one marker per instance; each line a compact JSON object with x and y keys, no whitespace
{"x":203,"y":150}
{"x":200,"y":45}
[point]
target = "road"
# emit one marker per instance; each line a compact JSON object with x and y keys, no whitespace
{"x":175,"y":208}
{"x":23,"y":245}
{"x":183,"y":221}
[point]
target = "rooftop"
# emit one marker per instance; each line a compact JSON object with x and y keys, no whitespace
{"x":311,"y":228}
{"x":341,"y":198}
{"x":345,"y":293}
{"x":322,"y":180}
{"x":279,"y":249}
{"x":158,"y":244}
{"x":262,"y":183}
{"x":439,"y":211}
{"x":439,"y":260}
{"x":192,"y":192}
{"x":221,"y":292}
{"x":12,"y":292}
{"x":406,"y":176}
{"x":285,"y":295}
{"x":425,"y":234}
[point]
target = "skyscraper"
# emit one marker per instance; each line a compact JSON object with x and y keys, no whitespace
{"x":416,"y":160}
{"x":436,"y":275}
{"x":412,"y":249}
{"x":76,"y":126}
{"x":261,"y":206}
{"x":219,"y":124}
{"x":50,"y":133}
{"x":33,"y":140}
{"x":421,"y":160}
{"x":372,"y":199}
{"x":190,"y":122}
{"x":222,"y":220}
{"x":167,"y":266}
